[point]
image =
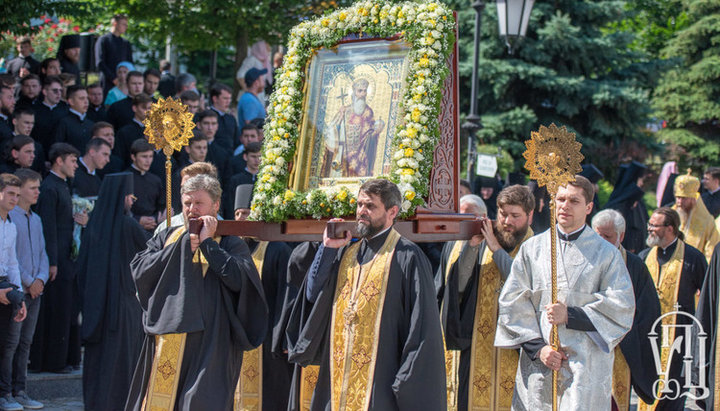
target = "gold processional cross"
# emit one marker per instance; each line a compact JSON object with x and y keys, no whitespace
{"x":553,"y":158}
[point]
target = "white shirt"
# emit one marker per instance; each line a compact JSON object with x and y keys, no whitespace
{"x":9,"y":266}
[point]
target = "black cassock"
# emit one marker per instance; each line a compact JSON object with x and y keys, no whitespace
{"x":112,"y":318}
{"x":223,"y":314}
{"x":692,"y":276}
{"x":635,"y":346}
{"x":627,"y":199}
{"x":707,"y":313}
{"x":276,"y":370}
{"x":410,"y":364}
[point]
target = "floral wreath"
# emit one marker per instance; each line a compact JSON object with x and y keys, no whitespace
{"x":429,"y":28}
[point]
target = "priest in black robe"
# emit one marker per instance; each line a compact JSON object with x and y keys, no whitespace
{"x":707,"y":314}
{"x":401,"y":338}
{"x":711,"y":193}
{"x":627,"y":198}
{"x":203,"y":302}
{"x":635,"y":351}
{"x":68,"y":55}
{"x":112,"y":318}
{"x":48,"y":113}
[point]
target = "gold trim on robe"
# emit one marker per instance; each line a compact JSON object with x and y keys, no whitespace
{"x":169,"y":350}
{"x":492,"y":370}
{"x":699,"y":229}
{"x":248,"y":393}
{"x":621,"y":381}
{"x":355,"y":325}
{"x":452,"y":357}
{"x":669,"y":276}
{"x":308,"y":381}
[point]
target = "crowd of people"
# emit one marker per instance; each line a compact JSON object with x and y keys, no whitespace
{"x":179,"y":317}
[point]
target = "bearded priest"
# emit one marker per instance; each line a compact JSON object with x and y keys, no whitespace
{"x":470,"y":276}
{"x":594,"y":310}
{"x":367,"y":314}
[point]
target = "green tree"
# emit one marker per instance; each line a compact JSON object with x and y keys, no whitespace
{"x":571,"y":69}
{"x":688,"y":96}
{"x":16,"y":14}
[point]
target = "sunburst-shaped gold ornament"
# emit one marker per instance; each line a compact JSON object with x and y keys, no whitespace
{"x":169,"y":125}
{"x":553,"y":157}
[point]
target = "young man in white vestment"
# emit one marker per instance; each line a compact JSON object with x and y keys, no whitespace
{"x":594,"y":310}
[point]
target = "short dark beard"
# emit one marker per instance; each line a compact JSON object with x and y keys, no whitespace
{"x":508,"y":241}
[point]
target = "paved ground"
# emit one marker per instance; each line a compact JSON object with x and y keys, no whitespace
{"x":63,"y":404}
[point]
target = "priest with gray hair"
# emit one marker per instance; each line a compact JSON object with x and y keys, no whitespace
{"x":203,"y":306}
{"x":633,"y":357}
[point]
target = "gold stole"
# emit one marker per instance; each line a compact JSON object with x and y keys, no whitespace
{"x":452,"y":357}
{"x":169,"y":350}
{"x":667,"y":288}
{"x":621,"y":371}
{"x":355,"y":325}
{"x":248,"y":394}
{"x":492,"y":370}
{"x":308,"y":380}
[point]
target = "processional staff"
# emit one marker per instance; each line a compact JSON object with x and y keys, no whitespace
{"x":553,"y":158}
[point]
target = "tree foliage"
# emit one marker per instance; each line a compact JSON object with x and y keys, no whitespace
{"x":16,"y":14}
{"x":571,"y":69}
{"x":688,"y":96}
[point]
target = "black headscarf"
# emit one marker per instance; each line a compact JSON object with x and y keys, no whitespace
{"x":103,"y":267}
{"x":490,"y":203}
{"x":69,"y":41}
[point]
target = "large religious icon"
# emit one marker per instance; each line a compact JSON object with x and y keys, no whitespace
{"x":350,"y":113}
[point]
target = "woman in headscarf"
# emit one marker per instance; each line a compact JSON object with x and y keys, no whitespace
{"x":112,"y":328}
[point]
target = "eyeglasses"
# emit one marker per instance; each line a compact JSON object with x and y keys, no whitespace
{"x":653,"y":226}
{"x":56,"y":90}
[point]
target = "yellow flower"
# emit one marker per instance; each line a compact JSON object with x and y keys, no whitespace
{"x":416,"y":115}
{"x":342,"y":16}
{"x":411,"y":132}
{"x":265,"y":178}
{"x":352,"y":201}
{"x":286,"y":135}
{"x":342,"y":195}
{"x":304,"y":202}
{"x":322,"y":204}
{"x":410,"y":195}
{"x":432,"y":6}
{"x":362,"y":11}
{"x":289,"y":195}
{"x":407,"y":172}
{"x":325,"y":22}
{"x":424,"y":62}
{"x":409,"y":152}
{"x":400,"y":14}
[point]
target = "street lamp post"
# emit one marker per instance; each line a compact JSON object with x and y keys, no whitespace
{"x":513,"y":18}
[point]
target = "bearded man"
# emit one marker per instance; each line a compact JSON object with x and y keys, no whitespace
{"x":470,"y":275}
{"x":366,"y":313}
{"x":352,"y":137}
{"x":696,"y":222}
{"x":678,"y":271}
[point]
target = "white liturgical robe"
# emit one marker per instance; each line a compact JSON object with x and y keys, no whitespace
{"x":591,"y":276}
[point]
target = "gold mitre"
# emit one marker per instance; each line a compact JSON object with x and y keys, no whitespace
{"x":686,"y":185}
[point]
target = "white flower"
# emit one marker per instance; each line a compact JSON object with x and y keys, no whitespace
{"x":406,"y":205}
{"x":277,"y":200}
{"x":280,"y":162}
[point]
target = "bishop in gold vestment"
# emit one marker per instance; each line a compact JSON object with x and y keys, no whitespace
{"x":696,"y":222}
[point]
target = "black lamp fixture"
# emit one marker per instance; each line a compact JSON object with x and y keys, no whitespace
{"x":513,"y":18}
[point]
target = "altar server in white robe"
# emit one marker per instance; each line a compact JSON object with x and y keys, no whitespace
{"x":594,"y":310}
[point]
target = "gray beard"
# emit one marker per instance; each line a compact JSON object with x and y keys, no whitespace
{"x":358,"y":105}
{"x":367,"y":230}
{"x":652,"y":240}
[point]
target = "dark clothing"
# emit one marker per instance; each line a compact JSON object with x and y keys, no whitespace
{"x":627,"y":199}
{"x":115,"y":165}
{"x":223,"y":313}
{"x":6,"y":132}
{"x":276,"y":370}
{"x":228,"y":201}
{"x":112,"y":317}
{"x":228,"y":133}
{"x":85,"y":184}
{"x":712,"y":202}
{"x":97,"y":114}
{"x":409,"y":370}
{"x":692,"y":276}
{"x":149,"y":192}
{"x":75,"y":131}
{"x":24,"y":101}
{"x":707,"y":314}
{"x":46,"y":121}
{"x":120,"y":113}
{"x":636,"y":347}
{"x":110,"y":50}
{"x":491,"y":203}
{"x":14,"y":65}
{"x":124,"y":139}
{"x":52,"y":346}
{"x":68,"y":66}
{"x":167,"y":85}
{"x":237,"y":163}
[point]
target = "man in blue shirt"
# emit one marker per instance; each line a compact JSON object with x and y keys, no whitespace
{"x":34,"y":268}
{"x":249,"y":106}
